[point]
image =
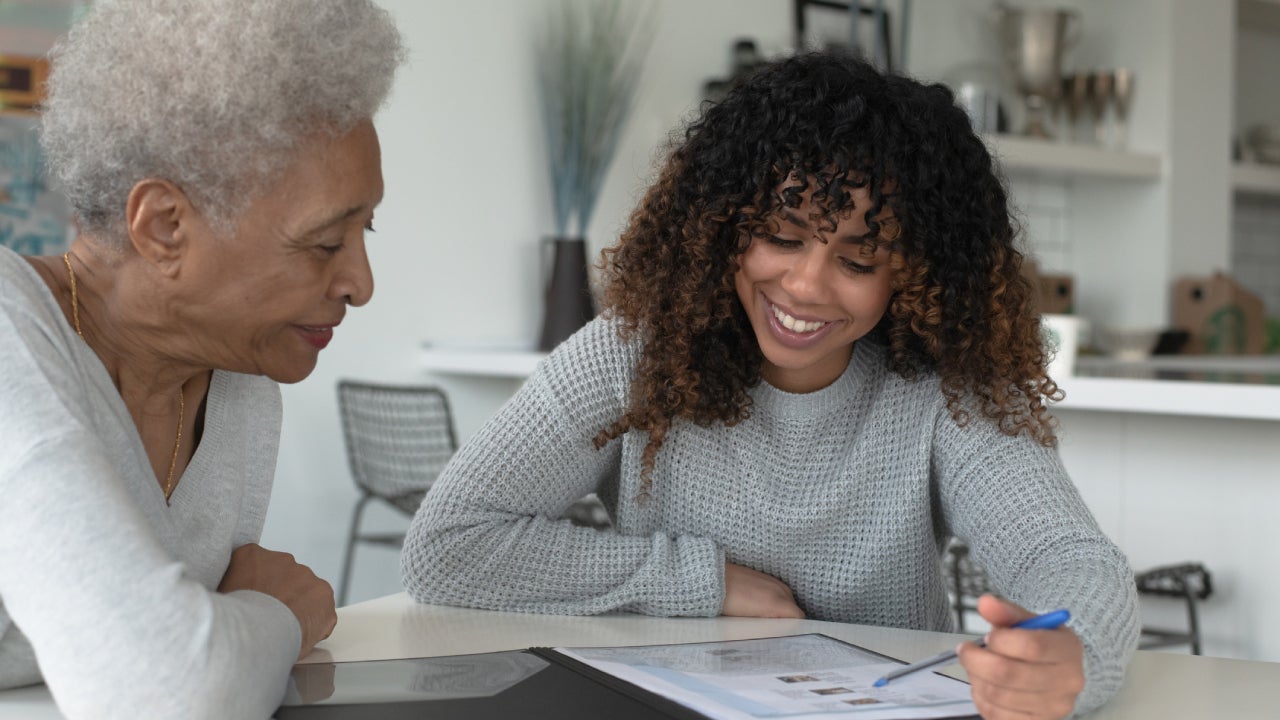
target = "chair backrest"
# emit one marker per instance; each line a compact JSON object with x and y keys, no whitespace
{"x":398,"y":438}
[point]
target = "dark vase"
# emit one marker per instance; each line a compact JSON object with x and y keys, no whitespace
{"x":569,"y":304}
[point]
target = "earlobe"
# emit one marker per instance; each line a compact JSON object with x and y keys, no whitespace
{"x":157,"y":214}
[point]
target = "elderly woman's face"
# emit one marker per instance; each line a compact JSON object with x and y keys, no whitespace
{"x":266,"y":299}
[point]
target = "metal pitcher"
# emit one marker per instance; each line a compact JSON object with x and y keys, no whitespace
{"x":1034,"y":41}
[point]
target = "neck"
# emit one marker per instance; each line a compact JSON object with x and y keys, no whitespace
{"x":121,"y":318}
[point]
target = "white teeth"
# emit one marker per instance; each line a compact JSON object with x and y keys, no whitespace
{"x":795,"y":325}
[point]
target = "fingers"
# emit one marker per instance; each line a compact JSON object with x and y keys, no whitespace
{"x":1000,"y":612}
{"x":1025,"y":673}
{"x":750,"y":593}
{"x":992,"y":668}
{"x":1003,"y":704}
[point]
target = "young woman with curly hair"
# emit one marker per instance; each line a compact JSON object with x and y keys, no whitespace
{"x":818,"y":362}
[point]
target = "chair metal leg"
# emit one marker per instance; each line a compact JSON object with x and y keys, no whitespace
{"x":957,"y":590}
{"x":345,"y":583}
{"x":1193,"y":622}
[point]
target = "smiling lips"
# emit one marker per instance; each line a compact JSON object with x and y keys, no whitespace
{"x":795,"y":332}
{"x":318,"y":335}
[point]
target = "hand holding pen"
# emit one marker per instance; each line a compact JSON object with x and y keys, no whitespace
{"x":1048,"y":621}
{"x":1020,"y":672}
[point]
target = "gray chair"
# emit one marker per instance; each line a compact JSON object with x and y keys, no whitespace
{"x":398,"y":439}
{"x":1189,"y":582}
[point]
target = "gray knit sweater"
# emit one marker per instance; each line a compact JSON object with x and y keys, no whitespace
{"x":106,"y":593}
{"x":847,"y":495}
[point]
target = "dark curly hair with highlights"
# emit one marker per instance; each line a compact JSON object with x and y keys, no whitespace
{"x":960,"y":306}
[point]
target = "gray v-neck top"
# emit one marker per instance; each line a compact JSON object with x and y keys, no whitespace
{"x":106,"y":593}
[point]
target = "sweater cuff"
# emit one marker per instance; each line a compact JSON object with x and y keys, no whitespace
{"x":697,"y":590}
{"x":282,"y":629}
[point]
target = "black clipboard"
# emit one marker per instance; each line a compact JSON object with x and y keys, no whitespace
{"x":534,"y":683}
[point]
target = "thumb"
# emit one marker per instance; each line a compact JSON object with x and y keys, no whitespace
{"x":1000,"y":612}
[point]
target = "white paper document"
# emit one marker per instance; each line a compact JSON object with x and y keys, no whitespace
{"x":797,"y":677}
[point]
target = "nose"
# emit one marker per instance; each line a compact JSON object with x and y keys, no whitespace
{"x":805,"y":280}
{"x":353,"y":282}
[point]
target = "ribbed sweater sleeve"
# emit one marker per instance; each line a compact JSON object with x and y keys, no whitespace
{"x":490,"y":533}
{"x":1011,"y":501}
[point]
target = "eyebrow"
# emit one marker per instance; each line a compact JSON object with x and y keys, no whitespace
{"x":329,"y":222}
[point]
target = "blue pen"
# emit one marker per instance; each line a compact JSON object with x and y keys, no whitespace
{"x":1048,"y":621}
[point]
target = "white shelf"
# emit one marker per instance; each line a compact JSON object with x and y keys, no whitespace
{"x":1047,"y":157}
{"x":1168,"y":397}
{"x":480,"y":362}
{"x":1256,"y":178}
{"x":1172,"y":397}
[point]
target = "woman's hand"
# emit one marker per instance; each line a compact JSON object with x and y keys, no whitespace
{"x":749,"y":593}
{"x":1023,"y":673}
{"x":277,"y":574}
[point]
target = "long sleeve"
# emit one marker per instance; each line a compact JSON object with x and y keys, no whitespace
{"x":1012,"y":502}
{"x":114,"y":622}
{"x":490,"y":533}
{"x":91,"y":583}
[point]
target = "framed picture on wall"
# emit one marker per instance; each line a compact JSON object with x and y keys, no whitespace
{"x":826,"y":24}
{"x":22,"y":81}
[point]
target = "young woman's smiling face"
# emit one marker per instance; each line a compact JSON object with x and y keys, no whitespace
{"x":811,"y":291}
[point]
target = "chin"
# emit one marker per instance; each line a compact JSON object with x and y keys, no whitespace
{"x":292,"y":374}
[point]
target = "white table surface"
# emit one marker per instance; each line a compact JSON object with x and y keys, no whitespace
{"x":1160,"y":686}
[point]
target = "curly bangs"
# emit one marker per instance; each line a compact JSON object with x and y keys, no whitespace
{"x":828,"y":123}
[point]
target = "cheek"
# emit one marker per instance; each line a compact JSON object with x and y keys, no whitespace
{"x":867,"y":302}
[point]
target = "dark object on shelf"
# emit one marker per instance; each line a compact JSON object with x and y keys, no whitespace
{"x":1171,"y":342}
{"x":398,"y":439}
{"x":746,"y":57}
{"x":1189,"y":581}
{"x":1054,"y":293}
{"x":822,"y":24}
{"x":569,"y":303}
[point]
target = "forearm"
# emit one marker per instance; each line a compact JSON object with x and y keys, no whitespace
{"x":117,"y":625}
{"x":229,"y":658}
{"x":497,"y":561}
{"x":1097,"y":584}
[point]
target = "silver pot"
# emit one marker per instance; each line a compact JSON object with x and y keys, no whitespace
{"x":1034,"y":41}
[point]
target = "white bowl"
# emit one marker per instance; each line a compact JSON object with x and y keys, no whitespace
{"x":1128,"y":343}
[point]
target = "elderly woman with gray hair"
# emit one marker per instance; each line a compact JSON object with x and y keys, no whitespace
{"x":223,"y":167}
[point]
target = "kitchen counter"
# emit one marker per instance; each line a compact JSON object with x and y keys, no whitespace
{"x":1246,"y":388}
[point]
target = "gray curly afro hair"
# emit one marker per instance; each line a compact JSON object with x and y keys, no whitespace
{"x":212,"y":95}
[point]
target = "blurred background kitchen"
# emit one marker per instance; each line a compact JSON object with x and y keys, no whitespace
{"x":1141,"y":139}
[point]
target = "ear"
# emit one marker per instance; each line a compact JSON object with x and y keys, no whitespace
{"x":160,"y":218}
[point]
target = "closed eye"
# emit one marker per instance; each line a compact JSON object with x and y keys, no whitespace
{"x":857,"y":267}
{"x":784,"y":243}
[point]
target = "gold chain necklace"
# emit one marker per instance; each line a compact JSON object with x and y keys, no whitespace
{"x":177,"y":442}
